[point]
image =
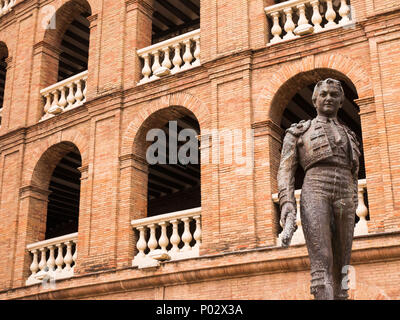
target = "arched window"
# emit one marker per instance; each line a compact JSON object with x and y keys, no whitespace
{"x":173,"y":185}
{"x":63,"y":205}
{"x":65,"y":81}
{"x":75,"y":47}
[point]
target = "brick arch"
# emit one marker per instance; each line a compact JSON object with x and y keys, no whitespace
{"x":44,"y":159}
{"x":185,"y":100}
{"x":65,"y":11}
{"x":305,"y":70}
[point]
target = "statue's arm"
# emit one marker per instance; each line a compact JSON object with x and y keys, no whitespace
{"x":287,"y":170}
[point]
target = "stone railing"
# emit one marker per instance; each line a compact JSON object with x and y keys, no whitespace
{"x":6,"y":6}
{"x":53,"y":259}
{"x":171,"y":236}
{"x":64,"y":95}
{"x":292,"y":19}
{"x":170,"y":56}
{"x":360,"y":229}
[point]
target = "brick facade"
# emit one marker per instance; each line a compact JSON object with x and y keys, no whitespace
{"x":242,"y":83}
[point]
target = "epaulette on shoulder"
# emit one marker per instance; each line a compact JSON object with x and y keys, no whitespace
{"x":298,"y":129}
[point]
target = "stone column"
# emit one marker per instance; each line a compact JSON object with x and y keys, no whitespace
{"x":267,"y":145}
{"x":138,"y":35}
{"x":377,"y":197}
{"x":84,"y":219}
{"x":93,"y":61}
{"x":44,"y":73}
{"x":31,"y":228}
{"x":209,"y":198}
{"x":132,"y":205}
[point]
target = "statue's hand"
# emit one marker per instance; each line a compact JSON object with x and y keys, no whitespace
{"x":286,"y":209}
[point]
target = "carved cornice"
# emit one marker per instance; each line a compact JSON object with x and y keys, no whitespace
{"x":93,"y":20}
{"x":142,"y":5}
{"x":268,"y":127}
{"x":133,"y":161}
{"x":84,"y":170}
{"x":367,"y":105}
{"x":34,"y":192}
{"x":46,"y":48}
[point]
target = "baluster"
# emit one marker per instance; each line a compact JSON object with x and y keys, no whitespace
{"x":186,"y":236}
{"x":316,"y":17}
{"x":78,"y":93}
{"x":48,"y":103}
{"x":289,"y":25}
{"x":71,"y":95}
{"x":156,"y":64}
{"x":175,"y":239}
{"x":303,"y":27}
{"x":5,"y":7}
{"x":330,"y":15}
{"x":141,"y":244}
{"x":344,"y":12}
{"x":51,"y":262}
{"x":166,"y":61}
{"x":84,"y":90}
{"x":55,"y":108}
{"x":63,"y":101}
{"x":59,"y":259}
{"x":302,"y":15}
{"x":196,"y":53}
{"x":362,"y":212}
{"x":177,"y":60}
{"x":146,"y":71}
{"x":68,"y":256}
{"x":276,"y":29}
{"x":42,"y":263}
{"x":299,"y":235}
{"x":197,"y":233}
{"x":75,"y":255}
{"x":152,"y":244}
{"x":34,"y":267}
{"x":163,"y":242}
{"x":187,"y":56}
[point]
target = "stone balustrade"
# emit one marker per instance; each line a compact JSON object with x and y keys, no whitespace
{"x":6,"y":6}
{"x":170,"y":56}
{"x":360,"y":229}
{"x":53,"y":259}
{"x":64,"y":95}
{"x":170,"y":236}
{"x":294,"y":18}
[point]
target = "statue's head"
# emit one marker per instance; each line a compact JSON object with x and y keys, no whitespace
{"x":328,"y":97}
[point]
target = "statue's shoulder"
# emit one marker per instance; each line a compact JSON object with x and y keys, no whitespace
{"x":351,"y":134}
{"x":297,"y":129}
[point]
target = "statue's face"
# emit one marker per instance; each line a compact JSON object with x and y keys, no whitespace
{"x":329,"y":100}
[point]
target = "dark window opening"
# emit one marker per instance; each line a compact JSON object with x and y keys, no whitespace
{"x":3,"y":71}
{"x":74,"y":48}
{"x":174,"y":187}
{"x":63,"y":206}
{"x":172,"y":18}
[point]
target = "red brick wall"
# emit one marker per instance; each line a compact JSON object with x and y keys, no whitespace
{"x":242,"y":84}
